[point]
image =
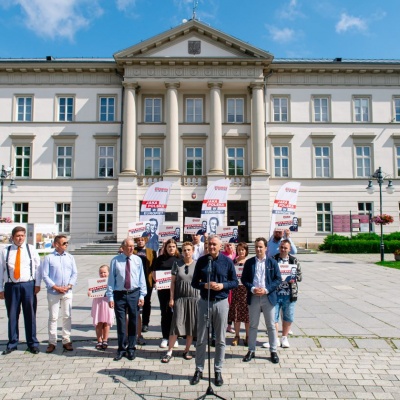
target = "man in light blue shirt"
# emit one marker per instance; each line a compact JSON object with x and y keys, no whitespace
{"x":59,"y":274}
{"x":275,"y":241}
{"x":126,"y":291}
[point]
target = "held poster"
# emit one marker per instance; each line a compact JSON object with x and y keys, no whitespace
{"x":97,"y":287}
{"x":163,"y":280}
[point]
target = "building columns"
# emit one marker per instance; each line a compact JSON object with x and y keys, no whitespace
{"x":216,"y":152}
{"x":172,"y":129}
{"x":257,"y":129}
{"x":129,"y":129}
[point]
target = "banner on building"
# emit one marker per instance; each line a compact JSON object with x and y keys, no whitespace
{"x":284,"y":204}
{"x":214,"y":205}
{"x":153,"y":209}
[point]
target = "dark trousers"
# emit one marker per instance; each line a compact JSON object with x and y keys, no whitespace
{"x":166,"y":313}
{"x":126,"y":304}
{"x":19,"y":295}
{"x":147,"y":305}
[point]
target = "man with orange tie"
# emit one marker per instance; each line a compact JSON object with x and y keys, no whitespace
{"x":19,"y":270}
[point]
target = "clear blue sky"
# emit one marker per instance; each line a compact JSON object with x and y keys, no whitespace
{"x":362,"y":29}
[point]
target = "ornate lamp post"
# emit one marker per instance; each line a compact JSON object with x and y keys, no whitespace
{"x":12,"y":187}
{"x":380,"y":178}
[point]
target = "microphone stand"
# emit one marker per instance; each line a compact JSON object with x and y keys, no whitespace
{"x":210,"y":390}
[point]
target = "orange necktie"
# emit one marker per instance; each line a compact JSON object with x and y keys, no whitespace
{"x":17,"y":267}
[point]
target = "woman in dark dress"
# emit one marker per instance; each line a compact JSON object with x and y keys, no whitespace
{"x":238,"y":311}
{"x":165,"y":262}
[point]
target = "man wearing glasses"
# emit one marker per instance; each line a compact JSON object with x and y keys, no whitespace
{"x":59,"y":274}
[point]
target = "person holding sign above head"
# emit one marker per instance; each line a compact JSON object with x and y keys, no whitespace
{"x":287,"y":291}
{"x":184,"y":302}
{"x":126,"y":289}
{"x":275,"y":241}
{"x":164,"y":263}
{"x":261,"y":277}
{"x":102,"y":314}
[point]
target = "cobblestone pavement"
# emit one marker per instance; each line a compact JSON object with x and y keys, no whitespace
{"x":345,"y":345}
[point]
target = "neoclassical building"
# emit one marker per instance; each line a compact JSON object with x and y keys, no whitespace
{"x":86,"y":137}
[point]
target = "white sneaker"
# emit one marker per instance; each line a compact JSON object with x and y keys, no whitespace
{"x":285,"y":342}
{"x":176,"y":344}
{"x":290,"y":332}
{"x":278,"y":342}
{"x":164,"y":344}
{"x":265,"y":345}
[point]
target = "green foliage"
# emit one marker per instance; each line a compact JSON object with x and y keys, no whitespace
{"x":361,"y":243}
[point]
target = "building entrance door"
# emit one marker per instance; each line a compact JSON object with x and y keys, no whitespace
{"x":238,"y":216}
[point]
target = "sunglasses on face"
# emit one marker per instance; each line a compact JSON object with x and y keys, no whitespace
{"x":64,"y":243}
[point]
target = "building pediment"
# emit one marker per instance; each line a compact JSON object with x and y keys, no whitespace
{"x":195,"y":43}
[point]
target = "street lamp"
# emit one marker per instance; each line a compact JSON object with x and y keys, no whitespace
{"x":380,"y":178}
{"x":12,"y":187}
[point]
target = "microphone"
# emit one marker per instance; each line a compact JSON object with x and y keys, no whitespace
{"x":209,"y":264}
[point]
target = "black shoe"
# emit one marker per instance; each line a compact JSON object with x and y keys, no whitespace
{"x":249,"y":356}
{"x":119,"y":355}
{"x":196,"y":377}
{"x":145,"y":328}
{"x":218,"y":379}
{"x":34,"y":350}
{"x":8,"y":351}
{"x":131,"y":355}
{"x":274,"y":358}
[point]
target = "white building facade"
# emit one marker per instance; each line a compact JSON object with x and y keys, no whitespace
{"x":86,"y":137}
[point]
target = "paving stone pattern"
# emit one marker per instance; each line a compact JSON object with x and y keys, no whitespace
{"x":345,"y":345}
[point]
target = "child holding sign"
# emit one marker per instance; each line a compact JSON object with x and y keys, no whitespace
{"x":103,"y":315}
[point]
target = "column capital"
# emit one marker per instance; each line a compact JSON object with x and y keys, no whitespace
{"x":215,"y":85}
{"x":131,"y":85}
{"x":172,"y":85}
{"x":256,"y":85}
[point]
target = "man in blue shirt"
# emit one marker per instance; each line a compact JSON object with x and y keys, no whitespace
{"x":126,"y":291}
{"x":222,"y":280}
{"x":275,"y":241}
{"x":59,"y":274}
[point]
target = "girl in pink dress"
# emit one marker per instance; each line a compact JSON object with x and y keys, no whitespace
{"x":103,"y":315}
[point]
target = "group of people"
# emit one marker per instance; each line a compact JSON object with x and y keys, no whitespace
{"x":203,"y":283}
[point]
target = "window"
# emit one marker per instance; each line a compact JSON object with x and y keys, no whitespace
{"x":107,"y":109}
{"x":281,"y":161}
{"x":194,"y":110}
{"x":235,"y":110}
{"x":398,"y":160}
{"x":324,"y":218}
{"x":106,"y":161}
{"x":363,"y":161}
{"x":24,"y":109}
{"x":235,"y":161}
{"x":63,"y":217}
{"x":152,"y":109}
{"x":21,"y":212}
{"x":322,"y":161}
{"x":194,"y":161}
{"x":365,"y":208}
{"x":22,"y":161}
{"x":64,"y":161}
{"x":361,"y":109}
{"x":106,"y":216}
{"x":281,"y":112}
{"x":321,"y":110}
{"x":152,"y":161}
{"x":65,"y":109}
{"x":396,"y":109}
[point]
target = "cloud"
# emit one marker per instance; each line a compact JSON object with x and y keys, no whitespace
{"x":58,"y":18}
{"x":281,"y":35}
{"x":290,"y":11}
{"x":347,"y":22}
{"x":123,"y":5}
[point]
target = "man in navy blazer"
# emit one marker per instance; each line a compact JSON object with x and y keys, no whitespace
{"x":261,"y":277}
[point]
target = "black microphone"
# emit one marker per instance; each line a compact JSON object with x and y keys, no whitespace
{"x":209,"y":263}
